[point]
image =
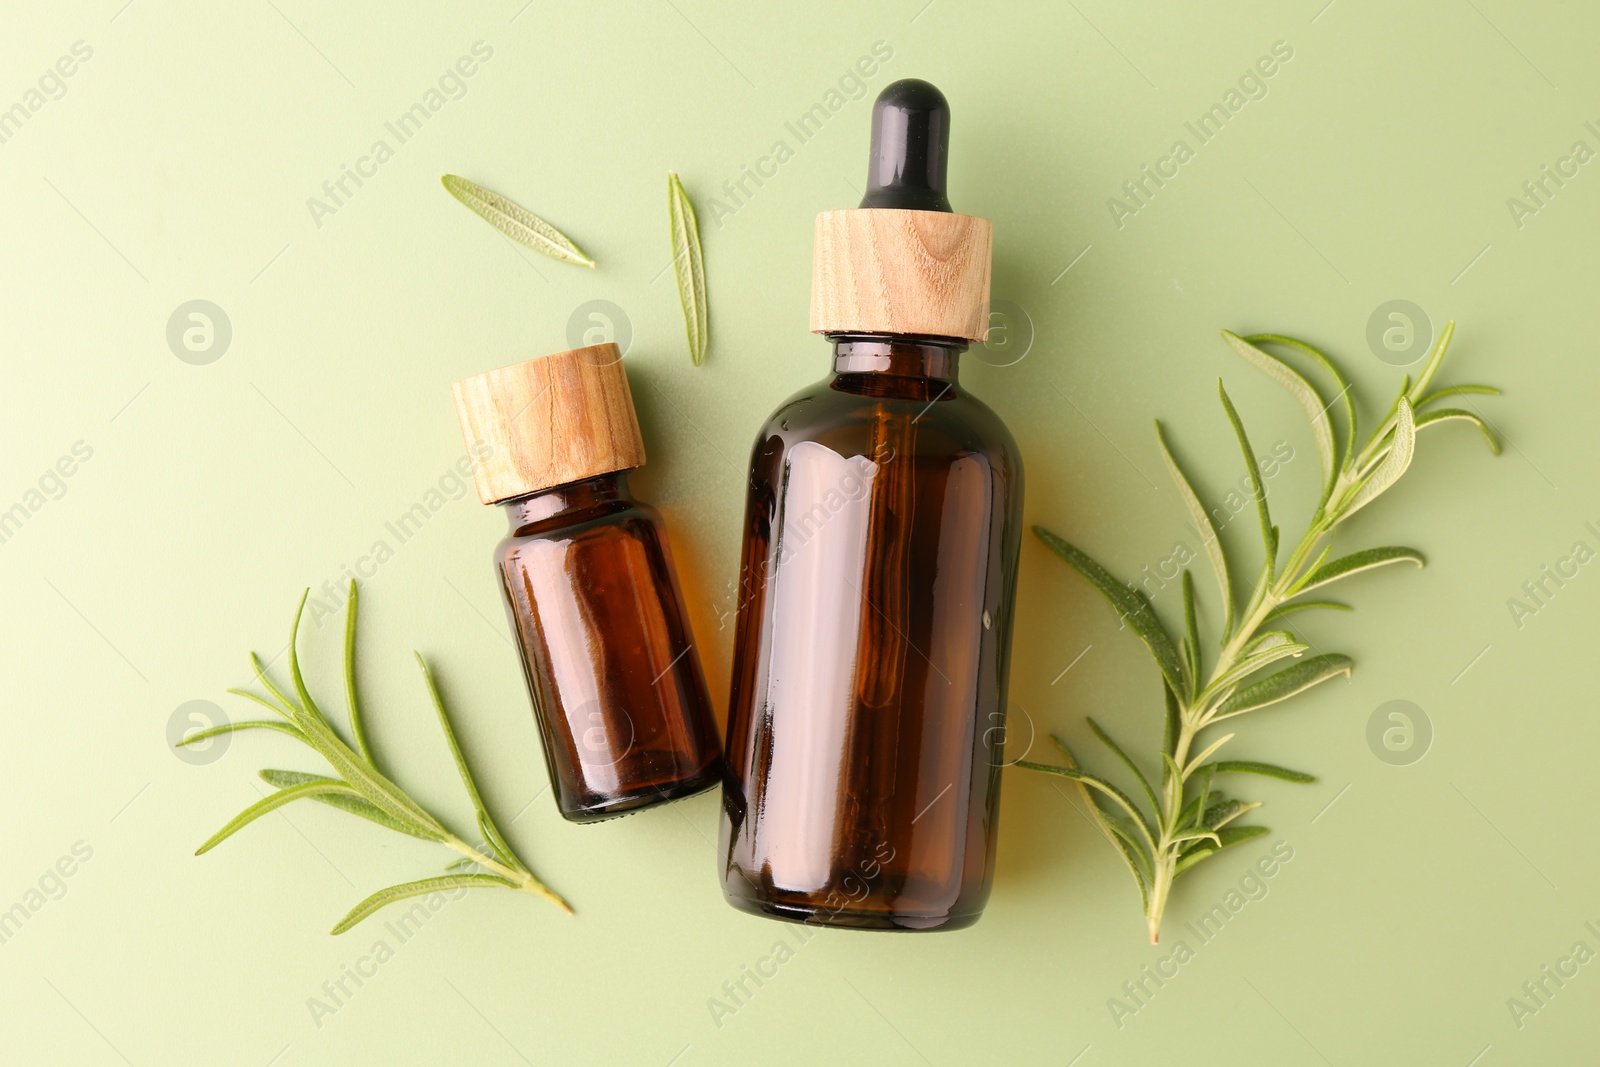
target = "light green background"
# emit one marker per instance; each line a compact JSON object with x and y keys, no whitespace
{"x":177,"y":166}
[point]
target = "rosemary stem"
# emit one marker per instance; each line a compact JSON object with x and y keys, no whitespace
{"x":524,"y":879}
{"x":1194,"y":719}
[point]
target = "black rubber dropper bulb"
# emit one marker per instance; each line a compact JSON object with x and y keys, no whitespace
{"x":910,"y":147}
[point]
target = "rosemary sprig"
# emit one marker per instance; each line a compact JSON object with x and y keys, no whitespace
{"x":515,"y":221}
{"x":1182,"y":819}
{"x":689,"y":267}
{"x":361,"y":789}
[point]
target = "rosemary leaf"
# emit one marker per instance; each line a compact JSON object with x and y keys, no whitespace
{"x":247,"y":724}
{"x":1228,"y":835}
{"x":1285,"y":684}
{"x":1222,"y":813}
{"x":357,"y":729}
{"x":1301,"y":605}
{"x":515,"y":221}
{"x":1122,"y":799}
{"x":1457,"y":390}
{"x":1356,"y":562}
{"x":345,"y":801}
{"x":1393,"y":465}
{"x":1240,"y":766}
{"x":1199,"y":761}
{"x":1173,"y":725}
{"x":1309,"y":399}
{"x":307,"y":705}
{"x":1132,"y":605}
{"x":1346,"y":395}
{"x":485,"y":823}
{"x":285,"y":706}
{"x":417,"y":889}
{"x":269,"y":804}
{"x":1121,"y":832}
{"x":689,"y":267}
{"x":1269,"y":541}
{"x":1191,"y":630}
{"x":1144,"y":783}
{"x":1446,"y":414}
{"x":1435,"y":361}
{"x":1202,"y":524}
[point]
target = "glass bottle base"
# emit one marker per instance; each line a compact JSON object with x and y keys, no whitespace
{"x":846,"y":918}
{"x":616,"y":805}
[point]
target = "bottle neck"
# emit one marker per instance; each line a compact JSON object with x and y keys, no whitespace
{"x":897,"y":356}
{"x":568,"y":499}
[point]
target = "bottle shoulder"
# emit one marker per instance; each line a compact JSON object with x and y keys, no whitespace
{"x":624,"y":514}
{"x":939,"y":417}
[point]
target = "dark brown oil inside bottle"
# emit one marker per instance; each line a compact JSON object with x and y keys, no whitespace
{"x":868,"y":697}
{"x":615,"y":680}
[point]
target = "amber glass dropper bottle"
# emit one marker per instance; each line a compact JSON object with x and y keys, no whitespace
{"x":879,"y":565}
{"x":589,"y":584}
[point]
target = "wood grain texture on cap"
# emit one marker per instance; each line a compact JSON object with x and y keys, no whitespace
{"x":549,"y":421}
{"x":881,"y":270}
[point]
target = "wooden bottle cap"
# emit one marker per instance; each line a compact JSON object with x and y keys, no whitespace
{"x":889,"y":270}
{"x":549,"y":421}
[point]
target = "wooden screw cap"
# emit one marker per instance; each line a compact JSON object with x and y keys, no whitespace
{"x":549,"y":421}
{"x":888,"y":270}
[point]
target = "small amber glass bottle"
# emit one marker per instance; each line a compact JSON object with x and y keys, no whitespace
{"x":880,"y":550}
{"x":589,"y":585}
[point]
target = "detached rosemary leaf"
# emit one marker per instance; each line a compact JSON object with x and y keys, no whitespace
{"x":515,"y":221}
{"x":689,"y":267}
{"x":421,"y":888}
